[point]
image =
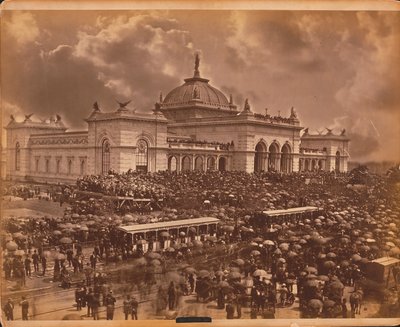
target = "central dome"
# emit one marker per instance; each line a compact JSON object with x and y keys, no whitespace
{"x":196,"y":91}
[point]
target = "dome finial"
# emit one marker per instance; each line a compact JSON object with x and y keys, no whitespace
{"x":196,"y":65}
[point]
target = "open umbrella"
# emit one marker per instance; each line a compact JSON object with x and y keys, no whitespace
{"x":60,"y":256}
{"x":19,"y":253}
{"x":315,"y":304}
{"x":331,"y":255}
{"x":239,"y":262}
{"x":190,"y":270}
{"x":170,"y":249}
{"x":324,"y":278}
{"x":153,"y":255}
{"x":155,"y":262}
{"x":255,"y":253}
{"x":140,"y":262}
{"x":268,"y":243}
{"x":57,"y":233}
{"x":355,"y":257}
{"x":65,"y":240}
{"x":344,"y":263}
{"x":164,"y":234}
{"x":329,"y":303}
{"x":311,"y":270}
{"x":234,"y":275}
{"x":203,"y":273}
{"x":141,"y":242}
{"x":284,"y":246}
{"x":329,"y":264}
{"x":258,"y":239}
{"x":260,"y":273}
{"x":11,"y":246}
{"x":197,"y":243}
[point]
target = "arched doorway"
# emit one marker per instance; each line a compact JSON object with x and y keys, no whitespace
{"x":172,"y":164}
{"x":105,"y":157}
{"x":286,"y":163}
{"x":321,"y":164}
{"x":259,"y":157}
{"x":307,"y":165}
{"x":273,"y":158}
{"x":142,"y":156}
{"x":337,"y":162}
{"x":198,"y":164}
{"x":211,"y":163}
{"x":186,"y":163}
{"x":222,"y":164}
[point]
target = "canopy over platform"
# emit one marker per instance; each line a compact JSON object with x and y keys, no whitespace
{"x":386,"y":261}
{"x":165,"y":225}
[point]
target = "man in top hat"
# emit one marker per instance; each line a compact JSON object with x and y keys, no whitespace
{"x":110,"y":305}
{"x":24,"y":307}
{"x":9,"y":309}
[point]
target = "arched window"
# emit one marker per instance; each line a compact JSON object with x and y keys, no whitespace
{"x":211,"y":163}
{"x":186,"y":163}
{"x":17,"y":156}
{"x":69,"y":166}
{"x":259,"y":157}
{"x":222,"y":164}
{"x":83,"y":167}
{"x":337,"y":162}
{"x":172,"y":164}
{"x":286,"y":163}
{"x":142,"y":156}
{"x":58,"y":166}
{"x":198,"y":164}
{"x":105,"y":157}
{"x":273,"y":158}
{"x":47,"y":166}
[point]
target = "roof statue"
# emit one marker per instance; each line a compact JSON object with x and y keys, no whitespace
{"x":96,"y":106}
{"x":196,"y":65}
{"x":157,"y":107}
{"x":329,"y":130}
{"x":12,"y":117}
{"x":343,"y":132}
{"x":247,"y":106}
{"x":196,"y":93}
{"x":122,"y":105}
{"x":161,"y":97}
{"x":58,"y":118}
{"x":293,"y":113}
{"x":28,"y":117}
{"x":266,"y":112}
{"x":279,"y":113}
{"x":306,"y":130}
{"x":230,"y":99}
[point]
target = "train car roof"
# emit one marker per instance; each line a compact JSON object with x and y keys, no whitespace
{"x":140,"y":228}
{"x":386,"y":261}
{"x":290,"y":211}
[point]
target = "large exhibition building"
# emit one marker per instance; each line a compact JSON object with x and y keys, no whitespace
{"x":195,"y":127}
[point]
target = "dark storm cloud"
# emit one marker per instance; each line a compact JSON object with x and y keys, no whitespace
{"x":328,"y":65}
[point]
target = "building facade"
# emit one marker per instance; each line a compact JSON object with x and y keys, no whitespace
{"x":195,"y":127}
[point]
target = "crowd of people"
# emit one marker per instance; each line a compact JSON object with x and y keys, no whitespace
{"x":244,"y":263}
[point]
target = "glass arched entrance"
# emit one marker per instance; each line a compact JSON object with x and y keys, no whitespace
{"x":172,"y":164}
{"x":259,"y":157}
{"x":142,"y":156}
{"x":198,"y":164}
{"x":273,"y":158}
{"x":186,"y":163}
{"x":211,"y":163}
{"x":337,"y":162}
{"x":286,"y":162}
{"x":105,"y":157}
{"x":222,"y":164}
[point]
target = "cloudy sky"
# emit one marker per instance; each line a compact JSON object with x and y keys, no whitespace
{"x":338,"y":69}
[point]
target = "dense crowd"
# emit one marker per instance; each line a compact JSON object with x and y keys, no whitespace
{"x":245,"y":262}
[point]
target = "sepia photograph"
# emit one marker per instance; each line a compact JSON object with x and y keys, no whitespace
{"x":169,"y":161}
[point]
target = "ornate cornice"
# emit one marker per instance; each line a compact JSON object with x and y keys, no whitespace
{"x":59,"y":140}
